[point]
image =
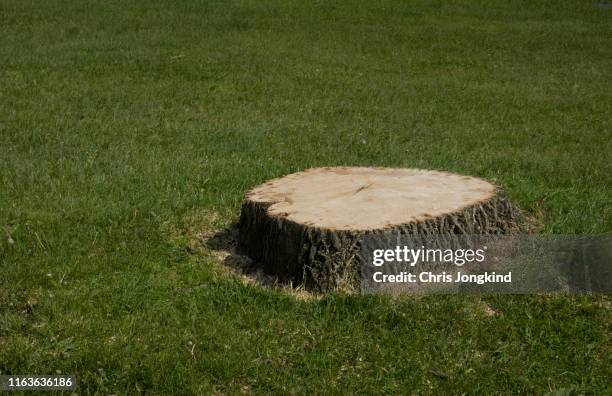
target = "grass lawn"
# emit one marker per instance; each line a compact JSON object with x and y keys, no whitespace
{"x":129,"y":130}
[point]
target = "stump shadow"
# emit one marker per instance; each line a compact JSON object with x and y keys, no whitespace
{"x":223,"y":244}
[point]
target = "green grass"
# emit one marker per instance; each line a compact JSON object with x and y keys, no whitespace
{"x":128,"y":128}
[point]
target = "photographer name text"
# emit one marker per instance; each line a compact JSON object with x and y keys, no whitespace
{"x":410,"y":257}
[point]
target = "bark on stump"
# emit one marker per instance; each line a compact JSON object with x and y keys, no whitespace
{"x":308,"y":225}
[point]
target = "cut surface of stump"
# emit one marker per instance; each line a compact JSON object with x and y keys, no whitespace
{"x":308,"y":225}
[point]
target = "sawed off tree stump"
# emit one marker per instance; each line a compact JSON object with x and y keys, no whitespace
{"x":307,"y":225}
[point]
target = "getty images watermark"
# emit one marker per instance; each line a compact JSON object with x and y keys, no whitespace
{"x":475,"y":264}
{"x":411,"y":257}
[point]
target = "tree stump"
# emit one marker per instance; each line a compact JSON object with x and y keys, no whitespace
{"x":308,"y":225}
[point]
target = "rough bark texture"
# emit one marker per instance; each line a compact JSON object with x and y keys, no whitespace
{"x":327,"y":259}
